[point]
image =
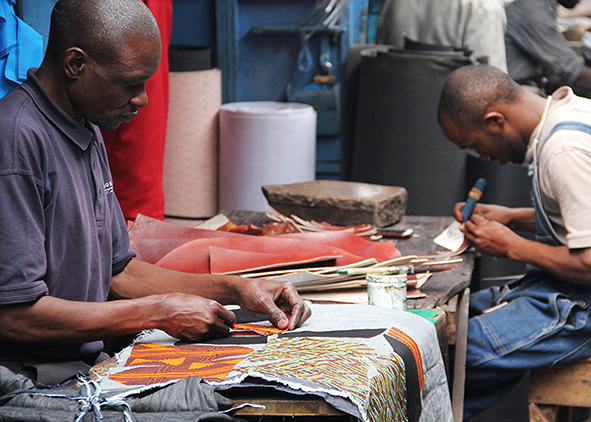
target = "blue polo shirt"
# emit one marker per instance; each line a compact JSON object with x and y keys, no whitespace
{"x":62,"y":232}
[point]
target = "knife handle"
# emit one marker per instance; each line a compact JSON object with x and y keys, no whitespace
{"x":473,"y":198}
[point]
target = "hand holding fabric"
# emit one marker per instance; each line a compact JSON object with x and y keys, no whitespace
{"x":278,"y":299}
{"x":192,"y":318}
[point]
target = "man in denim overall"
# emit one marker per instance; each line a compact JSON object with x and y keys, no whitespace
{"x":543,"y":318}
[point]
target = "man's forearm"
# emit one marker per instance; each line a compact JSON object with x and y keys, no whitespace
{"x":582,"y":85}
{"x":570,"y":265}
{"x":58,"y":320}
{"x":140,"y":279}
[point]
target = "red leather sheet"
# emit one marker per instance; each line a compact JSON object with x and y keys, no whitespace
{"x":381,"y":251}
{"x":152,"y":239}
{"x":248,"y":253}
{"x":151,"y":228}
{"x":230,"y":261}
{"x":202,"y":251}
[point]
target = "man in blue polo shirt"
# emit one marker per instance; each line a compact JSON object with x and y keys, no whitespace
{"x":65,"y":246}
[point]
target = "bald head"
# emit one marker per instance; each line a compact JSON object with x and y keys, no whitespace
{"x":98,"y":26}
{"x":471,"y":90}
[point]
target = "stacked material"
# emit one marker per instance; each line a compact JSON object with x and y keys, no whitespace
{"x":373,"y":363}
{"x":312,"y":261}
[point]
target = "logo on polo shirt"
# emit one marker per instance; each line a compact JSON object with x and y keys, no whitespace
{"x":108,"y":188}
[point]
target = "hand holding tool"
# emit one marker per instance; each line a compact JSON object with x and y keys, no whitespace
{"x":452,"y":237}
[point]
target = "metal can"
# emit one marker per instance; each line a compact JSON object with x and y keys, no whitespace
{"x":387,"y":290}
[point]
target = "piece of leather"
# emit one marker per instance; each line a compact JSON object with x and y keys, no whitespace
{"x":152,"y":238}
{"x":381,"y":251}
{"x":194,"y":256}
{"x":229,"y":261}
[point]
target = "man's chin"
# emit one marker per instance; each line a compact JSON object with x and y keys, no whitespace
{"x":110,"y":126}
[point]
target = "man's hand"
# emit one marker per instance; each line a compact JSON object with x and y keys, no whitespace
{"x":278,"y":299}
{"x":496,"y":239}
{"x":513,"y":218}
{"x":192,"y":318}
{"x":183,"y":316}
{"x":490,"y":237}
{"x":491,"y":212}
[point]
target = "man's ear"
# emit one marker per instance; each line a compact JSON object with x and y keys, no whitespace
{"x":74,"y":62}
{"x":494,"y":121}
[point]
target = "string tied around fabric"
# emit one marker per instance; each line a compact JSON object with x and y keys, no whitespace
{"x":89,"y":400}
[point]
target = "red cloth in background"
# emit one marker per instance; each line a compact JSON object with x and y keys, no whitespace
{"x":136,"y":149}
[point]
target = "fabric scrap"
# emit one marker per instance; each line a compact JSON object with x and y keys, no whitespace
{"x":263,"y":330}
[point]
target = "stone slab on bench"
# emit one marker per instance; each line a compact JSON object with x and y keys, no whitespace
{"x":339,"y":202}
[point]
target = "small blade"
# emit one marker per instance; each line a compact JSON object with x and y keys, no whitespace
{"x":451,"y":238}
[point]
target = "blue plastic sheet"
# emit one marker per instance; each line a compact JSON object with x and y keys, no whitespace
{"x":21,"y":48}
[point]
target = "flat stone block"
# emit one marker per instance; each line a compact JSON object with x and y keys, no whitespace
{"x":339,"y":202}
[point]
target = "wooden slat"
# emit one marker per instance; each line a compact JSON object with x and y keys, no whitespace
{"x":535,"y":414}
{"x":457,"y":398}
{"x":286,"y":407}
{"x":563,"y":385}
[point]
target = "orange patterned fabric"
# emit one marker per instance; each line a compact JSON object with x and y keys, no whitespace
{"x":155,"y":363}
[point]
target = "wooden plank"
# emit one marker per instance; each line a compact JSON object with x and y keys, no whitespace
{"x":457,"y":399}
{"x":292,"y":408}
{"x":281,"y":404}
{"x":562,"y":385}
{"x":535,"y":414}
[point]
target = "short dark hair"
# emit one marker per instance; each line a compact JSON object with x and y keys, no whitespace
{"x":471,"y":90}
{"x":98,"y":26}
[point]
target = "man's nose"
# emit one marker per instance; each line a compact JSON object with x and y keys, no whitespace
{"x":140,"y":100}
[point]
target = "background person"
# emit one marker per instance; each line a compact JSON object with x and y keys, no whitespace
{"x":543,"y":318}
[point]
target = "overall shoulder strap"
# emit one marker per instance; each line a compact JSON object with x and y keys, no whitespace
{"x":572,"y":126}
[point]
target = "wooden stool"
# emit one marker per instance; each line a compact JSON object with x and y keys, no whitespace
{"x":566,"y":385}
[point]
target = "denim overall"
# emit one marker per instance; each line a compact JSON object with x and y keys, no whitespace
{"x":545,"y":322}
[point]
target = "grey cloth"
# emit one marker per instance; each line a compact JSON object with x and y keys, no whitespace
{"x":187,"y":400}
{"x":475,"y":25}
{"x":535,"y":48}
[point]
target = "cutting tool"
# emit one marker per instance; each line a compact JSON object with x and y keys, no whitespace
{"x":452,"y":237}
